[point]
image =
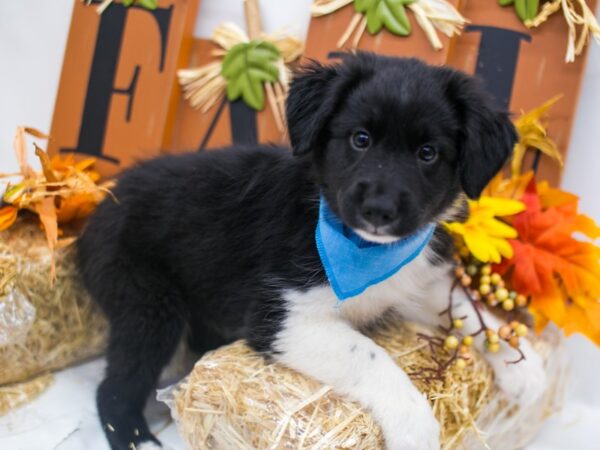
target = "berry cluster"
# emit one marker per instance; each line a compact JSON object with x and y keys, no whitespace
{"x":491,"y":287}
{"x":481,"y":284}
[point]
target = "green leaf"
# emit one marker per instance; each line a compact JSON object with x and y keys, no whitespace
{"x":527,"y":9}
{"x":127,"y":3}
{"x":148,"y":4}
{"x":246,"y":67}
{"x":506,"y":2}
{"x":533,"y":9}
{"x":388,"y":13}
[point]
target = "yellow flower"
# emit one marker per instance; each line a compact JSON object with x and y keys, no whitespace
{"x":484,"y":235}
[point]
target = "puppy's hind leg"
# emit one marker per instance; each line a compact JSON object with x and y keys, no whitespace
{"x":143,"y":338}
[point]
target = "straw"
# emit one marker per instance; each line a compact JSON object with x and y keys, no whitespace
{"x":51,"y":327}
{"x":234,"y":398}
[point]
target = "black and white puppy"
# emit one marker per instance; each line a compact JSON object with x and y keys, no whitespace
{"x":219,"y":246}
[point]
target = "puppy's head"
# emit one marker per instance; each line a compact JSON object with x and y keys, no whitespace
{"x":394,"y":141}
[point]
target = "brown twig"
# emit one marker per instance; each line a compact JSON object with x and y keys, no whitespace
{"x":438,"y":372}
{"x":477,"y":304}
{"x":519,"y":359}
{"x":448,"y":310}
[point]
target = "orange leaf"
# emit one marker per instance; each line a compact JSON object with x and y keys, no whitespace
{"x":546,"y":247}
{"x":559,"y":271}
{"x":508,"y":187}
{"x":46,"y":164}
{"x":36,"y":133}
{"x":77,"y":206}
{"x":8,"y":216}
{"x":550,"y":196}
{"x":577,"y":315}
{"x":583,"y":316}
{"x":85,"y":164}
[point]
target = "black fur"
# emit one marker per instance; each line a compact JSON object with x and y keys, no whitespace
{"x":203,"y":245}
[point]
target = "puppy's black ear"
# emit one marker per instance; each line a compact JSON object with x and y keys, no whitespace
{"x":487,"y":136}
{"x":308,"y":106}
{"x":315,"y":94}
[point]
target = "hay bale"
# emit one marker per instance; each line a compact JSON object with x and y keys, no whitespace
{"x":43,"y":327}
{"x":17,"y":394}
{"x":233,"y":398}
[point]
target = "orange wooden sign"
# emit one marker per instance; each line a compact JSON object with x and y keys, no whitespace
{"x":523,"y":68}
{"x":225,"y":123}
{"x":118,"y":92}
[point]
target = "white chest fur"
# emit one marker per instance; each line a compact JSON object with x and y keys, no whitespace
{"x":319,"y":338}
{"x":409,"y":291}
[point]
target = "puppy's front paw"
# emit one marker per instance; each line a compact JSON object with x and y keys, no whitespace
{"x":413,"y":425}
{"x":523,"y":382}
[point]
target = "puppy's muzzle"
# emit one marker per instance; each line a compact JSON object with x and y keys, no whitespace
{"x":376,"y":205}
{"x":379,"y":211}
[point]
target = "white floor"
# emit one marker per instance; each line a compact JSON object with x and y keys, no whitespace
{"x":64,"y":417}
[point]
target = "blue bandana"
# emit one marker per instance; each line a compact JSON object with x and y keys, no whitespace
{"x":353,"y":264}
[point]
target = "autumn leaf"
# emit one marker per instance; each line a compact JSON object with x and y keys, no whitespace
{"x":532,"y":134}
{"x":582,"y":315}
{"x":514,"y":188}
{"x":246,"y":67}
{"x":46,"y":164}
{"x":546,"y":247}
{"x":8,"y":215}
{"x":65,"y":190}
{"x":77,"y":206}
{"x":579,"y":314}
{"x":550,"y":196}
{"x":560,"y":272}
{"x":388,"y":13}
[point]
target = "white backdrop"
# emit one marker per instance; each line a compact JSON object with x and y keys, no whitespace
{"x":32,"y":39}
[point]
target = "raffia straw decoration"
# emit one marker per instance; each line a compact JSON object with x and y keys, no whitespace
{"x":430,"y":15}
{"x":582,"y":22}
{"x":233,"y":398}
{"x":45,"y":327}
{"x":15,"y":395}
{"x":204,"y":86}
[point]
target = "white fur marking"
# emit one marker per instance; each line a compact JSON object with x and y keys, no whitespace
{"x":378,"y":239}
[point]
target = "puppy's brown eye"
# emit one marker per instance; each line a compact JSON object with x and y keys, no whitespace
{"x":361,"y":141}
{"x":427,"y":153}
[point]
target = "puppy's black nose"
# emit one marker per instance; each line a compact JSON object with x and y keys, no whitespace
{"x":379,"y":210}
